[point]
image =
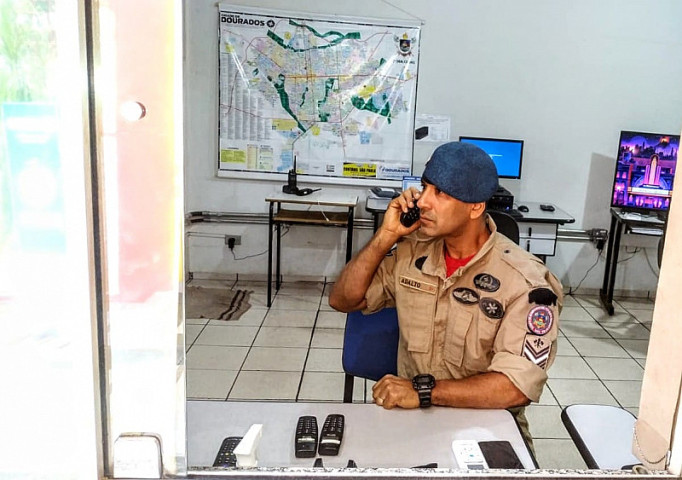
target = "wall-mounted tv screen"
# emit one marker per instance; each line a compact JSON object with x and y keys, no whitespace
{"x":507,"y":154}
{"x":645,"y":170}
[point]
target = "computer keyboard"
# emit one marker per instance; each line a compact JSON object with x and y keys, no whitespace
{"x":647,"y":231}
{"x":640,"y":217}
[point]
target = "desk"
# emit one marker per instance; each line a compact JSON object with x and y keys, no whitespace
{"x":316,"y":216}
{"x":373,"y":437}
{"x":634,"y":223}
{"x":537,"y":228}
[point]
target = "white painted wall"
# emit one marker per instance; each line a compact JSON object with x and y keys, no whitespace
{"x":564,"y":76}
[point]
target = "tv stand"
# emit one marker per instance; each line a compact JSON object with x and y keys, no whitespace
{"x":636,"y":223}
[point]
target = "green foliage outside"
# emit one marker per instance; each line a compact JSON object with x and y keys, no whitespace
{"x":27,"y":46}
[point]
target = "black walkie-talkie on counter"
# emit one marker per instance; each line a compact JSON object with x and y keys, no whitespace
{"x":291,"y":187}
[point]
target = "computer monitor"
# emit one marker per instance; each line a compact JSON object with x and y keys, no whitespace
{"x":507,"y":154}
{"x":645,"y":171}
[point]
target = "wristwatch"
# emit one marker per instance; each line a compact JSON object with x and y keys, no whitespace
{"x":423,"y":383}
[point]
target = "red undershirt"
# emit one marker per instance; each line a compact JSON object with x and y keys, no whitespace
{"x":452,"y":264}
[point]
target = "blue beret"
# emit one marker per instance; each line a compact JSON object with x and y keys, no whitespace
{"x":463,"y":171}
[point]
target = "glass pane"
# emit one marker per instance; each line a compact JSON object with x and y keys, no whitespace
{"x":48,"y":388}
{"x":140,"y":151}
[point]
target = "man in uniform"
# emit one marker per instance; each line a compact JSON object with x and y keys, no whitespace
{"x":478,"y":315}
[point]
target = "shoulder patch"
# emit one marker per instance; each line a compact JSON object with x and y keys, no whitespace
{"x":536,"y":349}
{"x":542,"y":296}
{"x":540,"y":320}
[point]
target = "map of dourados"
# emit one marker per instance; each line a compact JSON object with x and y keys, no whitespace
{"x":340,"y":96}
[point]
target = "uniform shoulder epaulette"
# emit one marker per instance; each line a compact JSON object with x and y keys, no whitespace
{"x":528,"y":266}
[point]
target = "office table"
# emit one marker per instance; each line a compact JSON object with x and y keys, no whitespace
{"x":632,"y":223}
{"x":537,"y":228}
{"x":373,"y":436}
{"x":314,"y":215}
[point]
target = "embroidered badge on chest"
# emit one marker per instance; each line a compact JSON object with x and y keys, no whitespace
{"x":536,"y":349}
{"x":540,"y":320}
{"x":417,"y":284}
{"x":492,"y":308}
{"x":465,"y":295}
{"x":486,"y":282}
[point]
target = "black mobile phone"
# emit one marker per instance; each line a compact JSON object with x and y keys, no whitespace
{"x":500,"y":454}
{"x":410,"y":217}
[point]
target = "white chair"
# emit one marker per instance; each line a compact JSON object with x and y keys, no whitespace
{"x":603,"y":435}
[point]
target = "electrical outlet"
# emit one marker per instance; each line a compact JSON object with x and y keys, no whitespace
{"x":237,"y":239}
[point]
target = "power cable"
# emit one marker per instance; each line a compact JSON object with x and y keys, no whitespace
{"x":571,"y":290}
{"x":634,"y":254}
{"x":257,"y":254}
{"x":646,"y":255}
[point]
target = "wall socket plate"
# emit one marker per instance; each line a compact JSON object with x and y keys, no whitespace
{"x":237,"y":239}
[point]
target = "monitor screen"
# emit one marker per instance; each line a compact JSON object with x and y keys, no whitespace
{"x":411,"y":181}
{"x":645,"y":170}
{"x":506,"y":154}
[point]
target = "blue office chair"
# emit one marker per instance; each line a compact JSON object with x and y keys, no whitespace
{"x":370,"y":347}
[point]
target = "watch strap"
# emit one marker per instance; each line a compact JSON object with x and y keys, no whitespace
{"x":424,"y":398}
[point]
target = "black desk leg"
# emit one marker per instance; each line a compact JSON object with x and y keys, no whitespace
{"x":270,"y":219}
{"x":278,"y":282}
{"x":614,"y":263}
{"x":349,"y":234}
{"x":606,"y":292}
{"x":349,"y":380}
{"x":348,"y":389}
{"x":609,"y":251}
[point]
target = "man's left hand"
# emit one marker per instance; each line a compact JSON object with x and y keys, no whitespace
{"x":391,"y":391}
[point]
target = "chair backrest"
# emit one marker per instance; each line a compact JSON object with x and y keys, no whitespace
{"x":506,"y":225}
{"x":370,"y":344}
{"x":602,"y":434}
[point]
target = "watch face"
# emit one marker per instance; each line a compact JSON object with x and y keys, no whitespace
{"x":423,"y":381}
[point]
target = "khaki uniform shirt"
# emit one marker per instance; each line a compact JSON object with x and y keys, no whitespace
{"x":498,"y":313}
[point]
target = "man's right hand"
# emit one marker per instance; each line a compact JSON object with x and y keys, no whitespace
{"x":348,"y":293}
{"x":399,"y":205}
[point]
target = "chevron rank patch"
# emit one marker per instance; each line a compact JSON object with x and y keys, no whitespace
{"x":536,"y":349}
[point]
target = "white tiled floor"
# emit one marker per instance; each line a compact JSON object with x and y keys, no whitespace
{"x":292,"y":351}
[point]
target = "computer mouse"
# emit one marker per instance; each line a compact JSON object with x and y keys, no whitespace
{"x":523,"y":208}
